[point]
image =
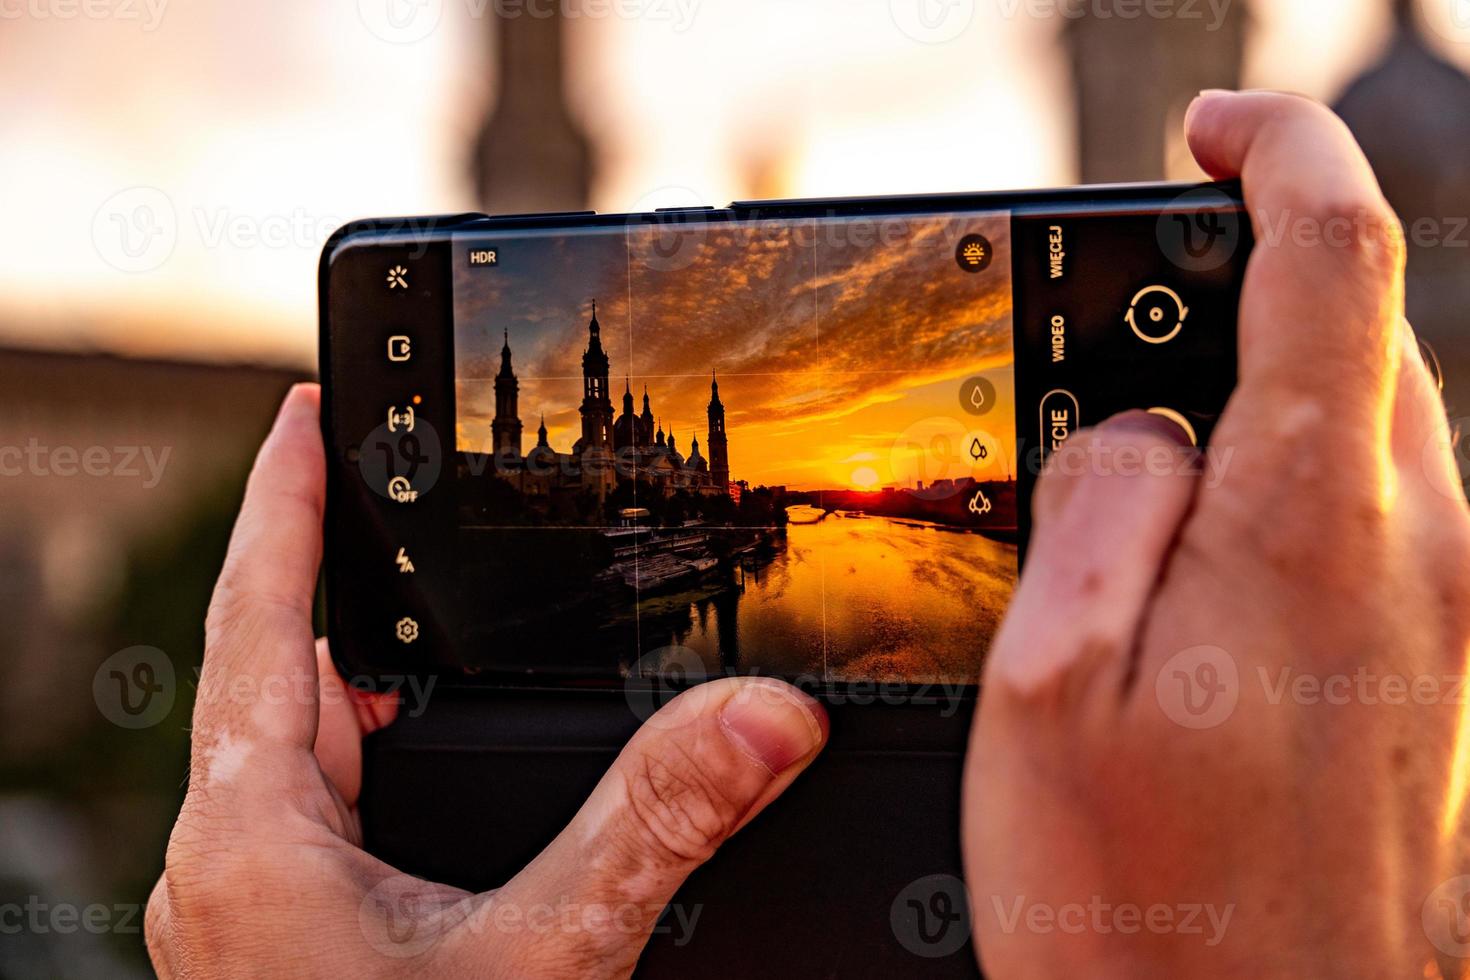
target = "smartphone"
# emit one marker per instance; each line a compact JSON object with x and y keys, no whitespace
{"x":791,"y":438}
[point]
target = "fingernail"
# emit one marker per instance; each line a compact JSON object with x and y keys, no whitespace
{"x":303,"y":397}
{"x":773,"y":724}
{"x":1140,"y":421}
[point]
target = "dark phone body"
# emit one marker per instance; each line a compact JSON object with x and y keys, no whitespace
{"x":843,"y":875}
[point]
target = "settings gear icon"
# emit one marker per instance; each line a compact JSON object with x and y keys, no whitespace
{"x":407,"y":630}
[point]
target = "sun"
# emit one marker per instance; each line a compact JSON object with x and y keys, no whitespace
{"x":864,"y":478}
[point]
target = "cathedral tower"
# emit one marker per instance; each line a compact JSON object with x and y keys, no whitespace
{"x":719,"y":453}
{"x":597,"y":409}
{"x":645,"y":423}
{"x":505,"y":428}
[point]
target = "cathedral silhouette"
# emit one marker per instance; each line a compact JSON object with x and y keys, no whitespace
{"x":632,"y":447}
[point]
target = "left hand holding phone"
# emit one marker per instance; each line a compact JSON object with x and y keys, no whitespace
{"x":265,"y":873}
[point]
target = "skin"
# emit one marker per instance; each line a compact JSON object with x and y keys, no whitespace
{"x":265,"y":873}
{"x":1336,"y":545}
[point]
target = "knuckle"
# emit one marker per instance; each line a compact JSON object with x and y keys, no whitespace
{"x":1054,"y":674}
{"x":155,"y":919}
{"x":1355,"y":225}
{"x":235,"y":615}
{"x":678,"y":808}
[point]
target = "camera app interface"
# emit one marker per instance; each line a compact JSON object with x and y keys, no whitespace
{"x":736,"y":447}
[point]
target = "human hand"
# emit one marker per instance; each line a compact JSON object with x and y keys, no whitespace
{"x":265,"y":874}
{"x":1200,"y":749}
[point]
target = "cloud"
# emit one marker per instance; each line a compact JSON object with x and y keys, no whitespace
{"x":803,"y":323}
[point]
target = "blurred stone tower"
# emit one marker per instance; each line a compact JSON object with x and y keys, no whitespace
{"x":530,"y":155}
{"x":1135,"y":76}
{"x":1411,"y":113}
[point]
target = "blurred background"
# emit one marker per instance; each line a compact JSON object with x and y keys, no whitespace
{"x":169,"y":170}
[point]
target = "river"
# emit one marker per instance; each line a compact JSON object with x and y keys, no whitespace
{"x":850,"y":598}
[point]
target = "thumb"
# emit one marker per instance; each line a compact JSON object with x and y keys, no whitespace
{"x":701,"y":768}
{"x":1105,"y":515}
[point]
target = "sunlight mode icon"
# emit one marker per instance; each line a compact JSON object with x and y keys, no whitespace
{"x":932,"y":21}
{"x":400,"y":21}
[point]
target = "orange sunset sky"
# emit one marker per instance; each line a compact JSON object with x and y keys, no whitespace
{"x":840,"y":347}
{"x":252,"y":120}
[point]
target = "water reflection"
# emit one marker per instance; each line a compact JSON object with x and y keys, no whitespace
{"x":849,"y":597}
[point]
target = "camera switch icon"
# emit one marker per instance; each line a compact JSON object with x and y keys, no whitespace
{"x":1157,"y":314}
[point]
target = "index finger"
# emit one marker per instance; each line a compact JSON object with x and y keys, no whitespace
{"x":1320,"y":311}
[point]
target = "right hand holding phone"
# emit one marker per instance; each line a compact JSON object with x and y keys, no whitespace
{"x":1223,"y":730}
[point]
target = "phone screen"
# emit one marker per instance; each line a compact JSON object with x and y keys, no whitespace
{"x":782,"y":447}
{"x":798,"y":439}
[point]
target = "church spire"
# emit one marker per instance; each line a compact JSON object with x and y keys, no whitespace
{"x":505,"y":427}
{"x":505,"y":368}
